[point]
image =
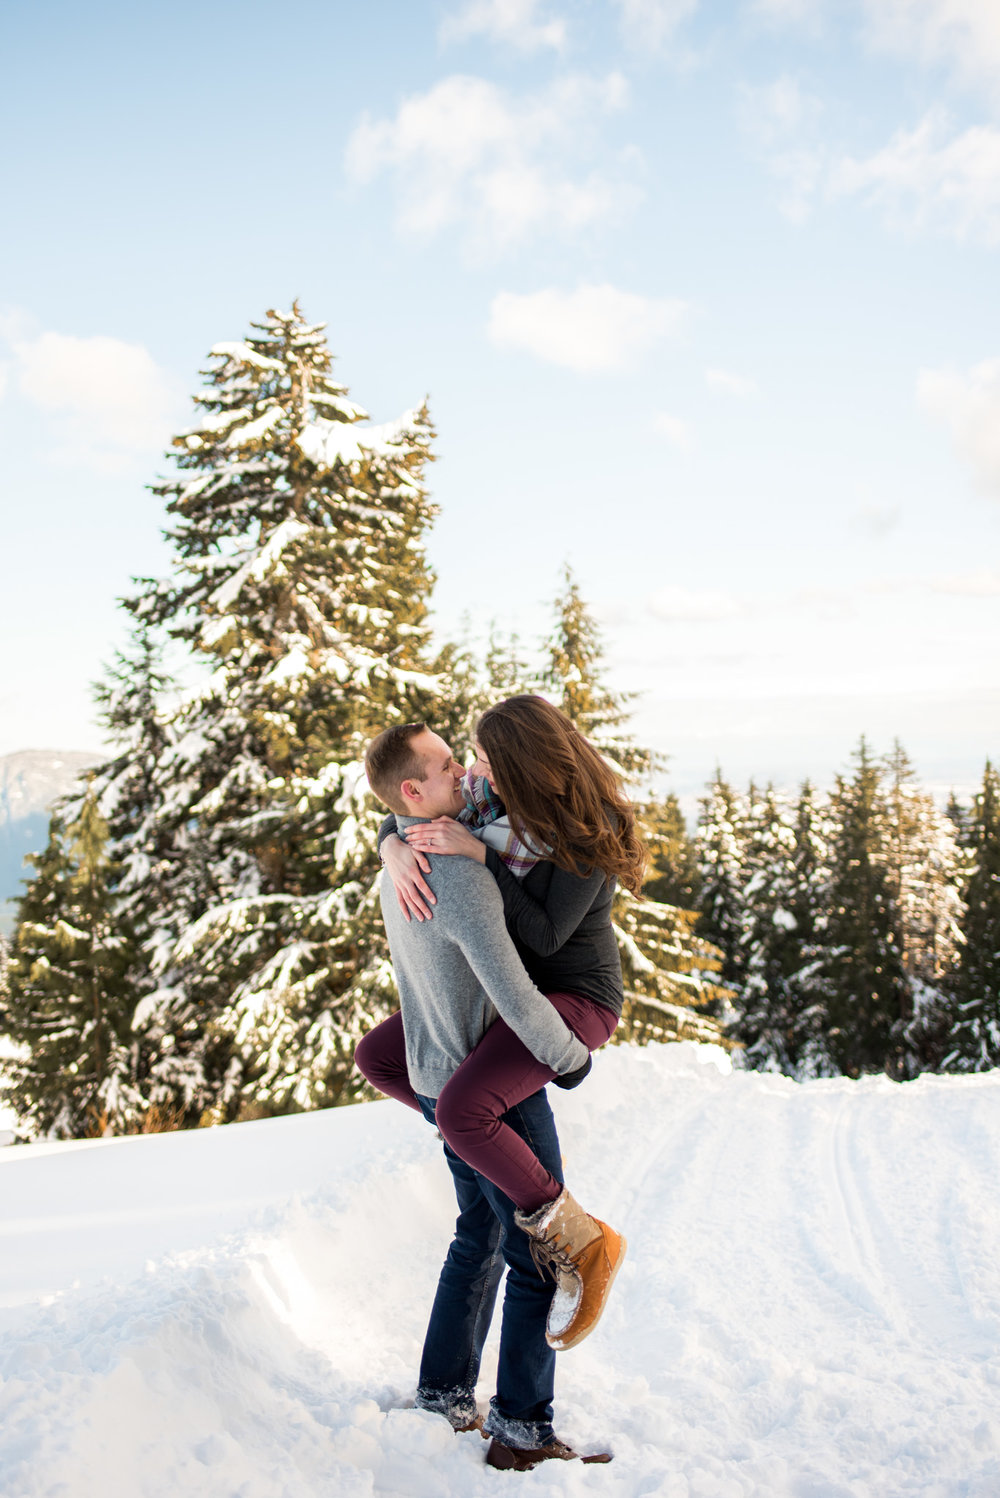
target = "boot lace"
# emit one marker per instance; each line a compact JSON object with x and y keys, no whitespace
{"x":550,"y":1256}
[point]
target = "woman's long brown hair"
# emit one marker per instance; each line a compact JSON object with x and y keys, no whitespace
{"x":557,"y":788}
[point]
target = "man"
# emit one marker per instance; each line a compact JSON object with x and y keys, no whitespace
{"x":455,"y":975}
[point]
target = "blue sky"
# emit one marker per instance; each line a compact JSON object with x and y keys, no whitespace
{"x":704,"y":298}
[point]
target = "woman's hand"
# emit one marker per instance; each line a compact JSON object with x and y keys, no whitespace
{"x":445,"y":835}
{"x":404,"y":867}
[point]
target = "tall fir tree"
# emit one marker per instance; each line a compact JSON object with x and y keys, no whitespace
{"x":155,"y":858}
{"x":974,"y":986}
{"x":4,"y":982}
{"x":301,"y":581}
{"x":720,"y":854}
{"x":506,"y":670}
{"x":768,"y":936}
{"x":807,"y":1046}
{"x":241,"y":855}
{"x":573,"y":678}
{"x":867,"y":998}
{"x":673,"y":877}
{"x":960,"y":816}
{"x":69,"y":1010}
{"x":670,"y":972}
{"x":476,"y":681}
{"x":779,"y":1005}
{"x":924,"y":863}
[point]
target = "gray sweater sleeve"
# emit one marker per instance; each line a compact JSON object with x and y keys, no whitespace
{"x":476,"y":924}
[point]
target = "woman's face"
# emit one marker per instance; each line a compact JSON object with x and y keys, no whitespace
{"x":482,"y":767}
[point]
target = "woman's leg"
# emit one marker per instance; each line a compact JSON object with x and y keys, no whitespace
{"x":497,"y":1075}
{"x":381,"y":1058}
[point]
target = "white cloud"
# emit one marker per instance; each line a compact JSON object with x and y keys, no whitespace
{"x":981,"y":584}
{"x":469,"y":151}
{"x":676,"y":430}
{"x":932,"y":177}
{"x":730,"y":384}
{"x":772,"y":112}
{"x":964,"y":32}
{"x":968,"y":404}
{"x":877,"y":520}
{"x":680,"y":605}
{"x":779,"y":120}
{"x":935,"y":176}
{"x":651,"y":24}
{"x":109,"y":400}
{"x":591,"y":329}
{"x":512,"y":21}
{"x":967,"y":31}
{"x":785,"y":12}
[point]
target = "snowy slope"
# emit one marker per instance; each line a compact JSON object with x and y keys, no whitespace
{"x":810,"y":1308}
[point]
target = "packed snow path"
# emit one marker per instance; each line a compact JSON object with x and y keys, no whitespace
{"x":810,"y":1306}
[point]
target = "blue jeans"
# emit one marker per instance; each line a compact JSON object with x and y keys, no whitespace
{"x":487,"y":1237}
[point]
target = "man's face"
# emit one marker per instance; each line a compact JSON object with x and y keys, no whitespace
{"x":439,"y":794}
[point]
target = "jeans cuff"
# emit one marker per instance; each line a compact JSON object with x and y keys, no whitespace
{"x":458,"y":1405}
{"x":520,"y":1435}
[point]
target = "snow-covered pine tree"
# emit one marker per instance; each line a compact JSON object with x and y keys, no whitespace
{"x":671,"y":990}
{"x":155,"y":856}
{"x":506,"y":672}
{"x":720,"y":838}
{"x":300,"y":581}
{"x":69,"y":1009}
{"x":120,"y":799}
{"x":925,"y":867}
{"x":779,"y":1007}
{"x":808,"y":1049}
{"x":960,"y":817}
{"x":4,"y":982}
{"x":476,"y":681}
{"x":573,"y":678}
{"x":769,"y":948}
{"x":867,"y":992}
{"x":673,"y":877}
{"x":974,"y":986}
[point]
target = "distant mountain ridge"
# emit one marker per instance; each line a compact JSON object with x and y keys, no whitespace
{"x":30,"y":780}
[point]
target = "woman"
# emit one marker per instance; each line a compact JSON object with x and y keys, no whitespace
{"x":568,"y":836}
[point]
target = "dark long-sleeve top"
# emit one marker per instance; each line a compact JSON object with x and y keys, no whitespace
{"x":560,"y":924}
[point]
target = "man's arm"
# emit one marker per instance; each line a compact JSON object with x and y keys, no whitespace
{"x":413,"y":893}
{"x":474,"y":914}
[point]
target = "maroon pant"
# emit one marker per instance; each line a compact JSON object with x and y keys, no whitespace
{"x":500,"y":1073}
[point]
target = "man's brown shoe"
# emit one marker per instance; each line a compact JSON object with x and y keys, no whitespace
{"x":510,"y":1459}
{"x":583,"y":1255}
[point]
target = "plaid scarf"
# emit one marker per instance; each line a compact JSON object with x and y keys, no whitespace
{"x":486,"y":819}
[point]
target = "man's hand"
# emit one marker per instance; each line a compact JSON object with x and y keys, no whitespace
{"x":574,"y":1078}
{"x":445,"y":835}
{"x":404,"y":867}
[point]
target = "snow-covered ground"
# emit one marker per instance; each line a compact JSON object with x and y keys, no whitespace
{"x":810,"y":1307}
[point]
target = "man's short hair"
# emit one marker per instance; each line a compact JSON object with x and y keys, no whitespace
{"x":390,"y":759}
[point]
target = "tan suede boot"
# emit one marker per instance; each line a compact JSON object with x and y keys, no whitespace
{"x":583,"y":1255}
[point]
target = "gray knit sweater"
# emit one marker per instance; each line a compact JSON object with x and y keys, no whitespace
{"x":457,"y":972}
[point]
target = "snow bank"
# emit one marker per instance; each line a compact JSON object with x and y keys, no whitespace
{"x":810,"y":1307}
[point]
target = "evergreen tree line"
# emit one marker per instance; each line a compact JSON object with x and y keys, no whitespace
{"x":200,"y":940}
{"x":859,"y":931}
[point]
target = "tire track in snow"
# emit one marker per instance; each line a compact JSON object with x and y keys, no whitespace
{"x":880,"y":1242}
{"x":918,"y":1269}
{"x":869,"y":1284}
